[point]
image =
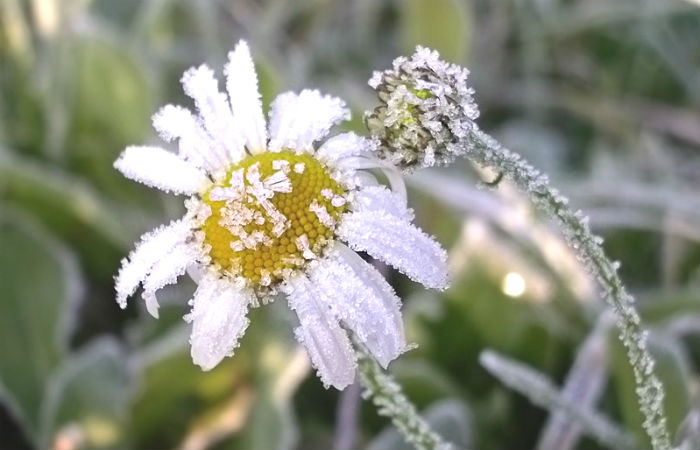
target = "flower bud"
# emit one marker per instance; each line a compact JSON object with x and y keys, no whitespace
{"x":426,"y":110}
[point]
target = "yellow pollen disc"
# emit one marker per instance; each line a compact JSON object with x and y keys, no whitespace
{"x":272,"y":213}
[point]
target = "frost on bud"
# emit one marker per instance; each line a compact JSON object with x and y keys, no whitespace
{"x":426,"y":111}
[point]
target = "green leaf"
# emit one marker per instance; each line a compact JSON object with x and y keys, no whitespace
{"x":40,"y":287}
{"x":672,"y":367}
{"x":444,"y":25}
{"x":69,"y":207}
{"x":112,"y":106}
{"x":422,"y":381}
{"x":91,"y":391}
{"x":279,"y":365}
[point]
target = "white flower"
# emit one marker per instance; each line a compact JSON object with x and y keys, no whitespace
{"x":269,"y":211}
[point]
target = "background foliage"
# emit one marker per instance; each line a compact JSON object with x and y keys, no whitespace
{"x":602,"y":95}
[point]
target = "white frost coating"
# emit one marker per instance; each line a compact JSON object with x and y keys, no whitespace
{"x":242,"y":87}
{"x":218,"y":319}
{"x":175,"y":122}
{"x":153,"y":246}
{"x":298,"y":120}
{"x":199,"y":83}
{"x":327,"y":344}
{"x":156,"y":167}
{"x":392,"y":174}
{"x":360,"y":297}
{"x":166,"y":271}
{"x":379,"y":198}
{"x":345,"y":145}
{"x":398,"y":243}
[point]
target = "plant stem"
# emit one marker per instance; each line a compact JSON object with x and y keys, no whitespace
{"x":486,"y":151}
{"x":386,"y":394}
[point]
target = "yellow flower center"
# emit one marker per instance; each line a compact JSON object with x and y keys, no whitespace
{"x":273,"y":213}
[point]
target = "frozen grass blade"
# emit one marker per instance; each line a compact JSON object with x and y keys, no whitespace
{"x":542,"y":392}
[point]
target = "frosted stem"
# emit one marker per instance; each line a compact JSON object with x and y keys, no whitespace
{"x":486,"y":151}
{"x":390,"y":401}
{"x":540,"y":390}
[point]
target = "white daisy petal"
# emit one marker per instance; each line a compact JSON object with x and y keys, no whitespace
{"x":214,"y":109}
{"x":242,"y":87}
{"x":152,"y":247}
{"x":219,"y":320}
{"x":392,"y":174}
{"x":175,"y":122}
{"x":397,"y":242}
{"x":359,"y":296}
{"x":298,"y":120}
{"x":379,"y":198}
{"x":166,"y":271}
{"x":156,"y":167}
{"x":345,"y":145}
{"x":327,"y":344}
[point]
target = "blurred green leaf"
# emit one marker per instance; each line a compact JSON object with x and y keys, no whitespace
{"x":40,"y":287}
{"x":278,"y":365}
{"x":174,"y":392}
{"x":68,"y":206}
{"x":452,"y":419}
{"x":673,"y":370}
{"x":111,"y":109}
{"x":91,"y":391}
{"x":422,"y":381}
{"x":444,"y":25}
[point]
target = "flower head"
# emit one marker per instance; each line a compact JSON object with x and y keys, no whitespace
{"x":426,"y":108}
{"x":269,"y":210}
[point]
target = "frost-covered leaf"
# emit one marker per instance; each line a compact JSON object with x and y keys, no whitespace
{"x":40,"y":285}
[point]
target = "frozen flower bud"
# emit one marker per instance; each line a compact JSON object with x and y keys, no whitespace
{"x":426,"y":110}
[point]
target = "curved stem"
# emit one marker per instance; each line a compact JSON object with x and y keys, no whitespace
{"x":386,"y":394}
{"x":487,"y":152}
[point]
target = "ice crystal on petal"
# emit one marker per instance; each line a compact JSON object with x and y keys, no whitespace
{"x":200,"y":84}
{"x":379,"y":198}
{"x":152,"y":247}
{"x":166,"y":271}
{"x":298,"y":120}
{"x":327,"y":344}
{"x":397,"y":242}
{"x":426,"y":106}
{"x":359,"y":296}
{"x":244,"y":96}
{"x":156,"y":167}
{"x":195,"y":145}
{"x":218,"y":320}
{"x":345,"y":145}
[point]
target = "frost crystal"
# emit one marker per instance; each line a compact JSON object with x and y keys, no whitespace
{"x":426,"y":108}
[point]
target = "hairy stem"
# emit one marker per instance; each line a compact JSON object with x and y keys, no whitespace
{"x":486,"y":151}
{"x":390,"y":401}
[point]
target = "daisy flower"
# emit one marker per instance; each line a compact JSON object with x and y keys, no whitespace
{"x":270,"y":211}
